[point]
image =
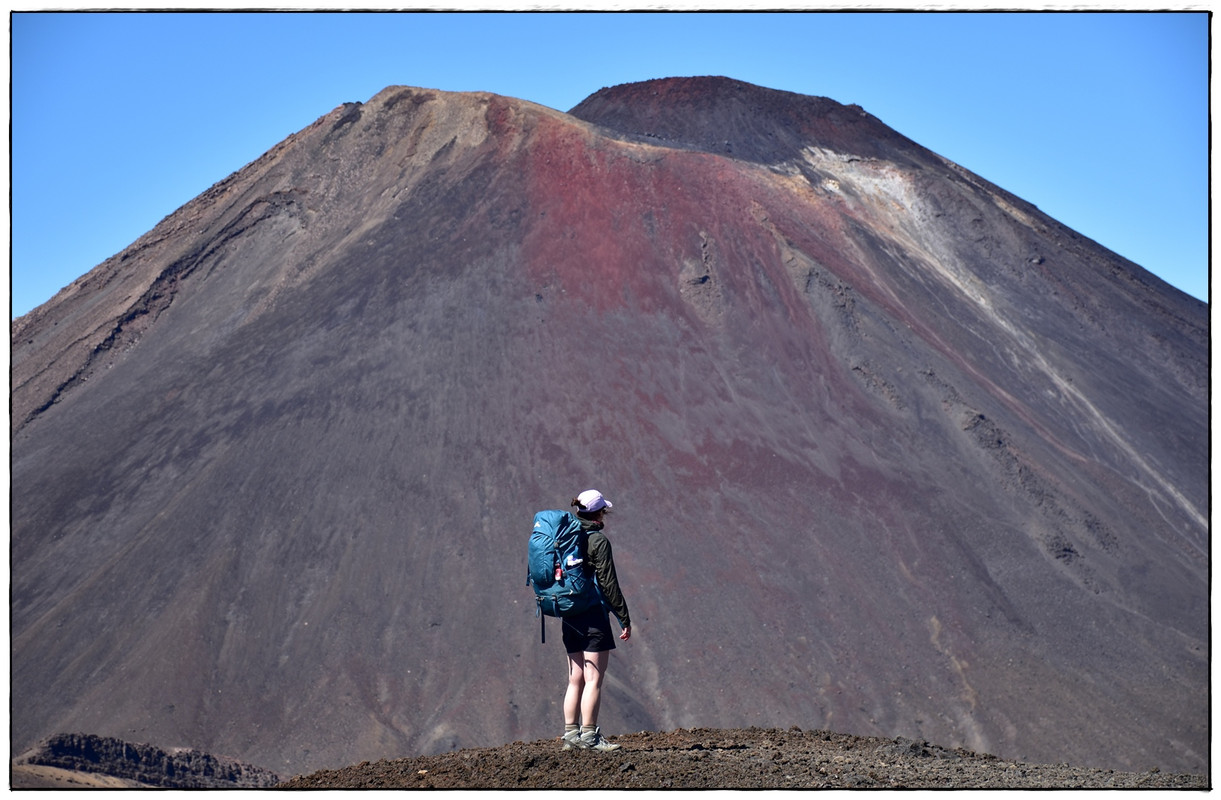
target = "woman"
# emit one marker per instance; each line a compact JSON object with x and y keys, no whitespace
{"x":588,"y":639}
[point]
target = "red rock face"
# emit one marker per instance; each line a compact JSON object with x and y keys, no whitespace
{"x":891,"y":452}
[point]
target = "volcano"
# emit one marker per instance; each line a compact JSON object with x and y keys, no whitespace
{"x":891,"y":451}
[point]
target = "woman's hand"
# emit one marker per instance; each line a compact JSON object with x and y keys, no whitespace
{"x":627,"y":634}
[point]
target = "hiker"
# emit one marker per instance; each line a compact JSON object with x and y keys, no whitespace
{"x":588,"y":638}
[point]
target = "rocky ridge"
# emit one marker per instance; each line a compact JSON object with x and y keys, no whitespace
{"x":753,"y":758}
{"x":145,"y":764}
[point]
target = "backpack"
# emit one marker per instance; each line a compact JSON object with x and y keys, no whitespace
{"x":556,"y":567}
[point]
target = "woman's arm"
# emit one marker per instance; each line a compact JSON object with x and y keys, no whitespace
{"x":603,"y":561}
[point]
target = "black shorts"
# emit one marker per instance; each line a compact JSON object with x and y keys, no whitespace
{"x":588,"y":632}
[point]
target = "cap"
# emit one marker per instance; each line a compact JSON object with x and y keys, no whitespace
{"x":592,"y":500}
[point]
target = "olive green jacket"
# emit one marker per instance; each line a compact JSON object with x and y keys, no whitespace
{"x":598,"y":555}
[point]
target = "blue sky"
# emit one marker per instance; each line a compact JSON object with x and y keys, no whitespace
{"x":1100,"y":119}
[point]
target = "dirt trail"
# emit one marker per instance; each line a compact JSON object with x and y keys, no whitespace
{"x":753,"y":758}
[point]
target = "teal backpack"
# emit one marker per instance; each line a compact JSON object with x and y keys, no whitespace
{"x":556,"y":567}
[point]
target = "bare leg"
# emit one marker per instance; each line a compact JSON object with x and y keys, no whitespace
{"x":576,"y":683}
{"x":591,"y":696}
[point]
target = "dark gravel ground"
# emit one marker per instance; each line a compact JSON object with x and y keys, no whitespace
{"x":754,"y":758}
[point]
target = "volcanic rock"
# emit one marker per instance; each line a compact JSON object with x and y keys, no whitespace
{"x":892,"y":452}
{"x":147,"y":765}
{"x":754,"y":758}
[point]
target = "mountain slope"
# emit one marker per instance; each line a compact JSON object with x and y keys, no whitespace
{"x":892,"y":452}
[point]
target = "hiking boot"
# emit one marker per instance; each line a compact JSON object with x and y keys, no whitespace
{"x":593,"y":740}
{"x":571,"y":739}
